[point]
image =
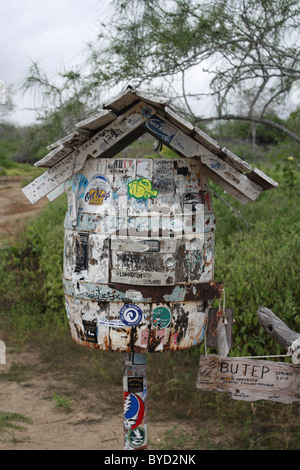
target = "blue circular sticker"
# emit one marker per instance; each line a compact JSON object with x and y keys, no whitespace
{"x":131,"y":314}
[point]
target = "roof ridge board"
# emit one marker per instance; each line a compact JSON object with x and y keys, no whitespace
{"x":151,"y":99}
{"x":96,"y":121}
{"x":128,"y":95}
{"x":55,"y":156}
{"x":259,"y":177}
{"x":121,"y":101}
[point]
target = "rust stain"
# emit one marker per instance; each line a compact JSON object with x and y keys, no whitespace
{"x":200,"y":291}
{"x":153,"y":341}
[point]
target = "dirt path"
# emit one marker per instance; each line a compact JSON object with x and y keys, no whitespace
{"x":15,"y":209}
{"x":82,"y":426}
{"x":51,"y":428}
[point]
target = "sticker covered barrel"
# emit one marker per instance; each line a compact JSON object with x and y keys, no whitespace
{"x":139,"y":254}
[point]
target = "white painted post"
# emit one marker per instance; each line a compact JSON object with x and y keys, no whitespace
{"x":2,"y":353}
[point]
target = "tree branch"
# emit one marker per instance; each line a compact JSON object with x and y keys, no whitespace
{"x":268,"y":122}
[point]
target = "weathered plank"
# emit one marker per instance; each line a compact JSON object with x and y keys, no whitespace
{"x":72,"y":140}
{"x":100,"y":143}
{"x":187,"y":146}
{"x":262,"y":179}
{"x":250,"y":379}
{"x":53,"y":157}
{"x":232,"y":176}
{"x":207,"y":141}
{"x":51,"y":179}
{"x":235,"y":161}
{"x":97,"y":121}
{"x":66,"y":186}
{"x":174,"y":138}
{"x":154,"y":100}
{"x":183,"y":124}
{"x":121,"y":101}
{"x":229,"y":188}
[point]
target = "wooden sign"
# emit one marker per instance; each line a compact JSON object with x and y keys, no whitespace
{"x":174,"y":138}
{"x":229,"y":188}
{"x":250,"y":379}
{"x":232,"y":176}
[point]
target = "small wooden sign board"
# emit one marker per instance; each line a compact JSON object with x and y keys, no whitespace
{"x":250,"y":379}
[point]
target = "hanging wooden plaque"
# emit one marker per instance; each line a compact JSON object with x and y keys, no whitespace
{"x":250,"y":379}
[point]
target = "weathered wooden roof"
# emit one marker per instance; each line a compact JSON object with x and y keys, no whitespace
{"x":123,"y":119}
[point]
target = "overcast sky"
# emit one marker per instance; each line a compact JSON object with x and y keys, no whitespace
{"x":51,"y":32}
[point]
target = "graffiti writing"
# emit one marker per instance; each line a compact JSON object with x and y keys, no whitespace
{"x":141,"y":189}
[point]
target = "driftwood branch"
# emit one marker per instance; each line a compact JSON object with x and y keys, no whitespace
{"x":276,"y":328}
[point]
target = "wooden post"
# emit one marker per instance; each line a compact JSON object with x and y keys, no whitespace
{"x":135,"y":401}
{"x":276,"y":328}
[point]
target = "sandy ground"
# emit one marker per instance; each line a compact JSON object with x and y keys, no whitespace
{"x":56,"y":428}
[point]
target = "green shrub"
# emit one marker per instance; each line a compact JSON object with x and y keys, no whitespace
{"x":31,"y":290}
{"x":260,"y":264}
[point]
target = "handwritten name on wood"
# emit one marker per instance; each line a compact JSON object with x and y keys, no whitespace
{"x":232,"y":176}
{"x":95,"y":147}
{"x":229,"y":188}
{"x":250,"y":379}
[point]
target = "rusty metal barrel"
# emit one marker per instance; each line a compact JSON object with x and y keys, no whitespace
{"x":139,"y":254}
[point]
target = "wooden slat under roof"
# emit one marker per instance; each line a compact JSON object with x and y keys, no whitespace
{"x":225,"y":168}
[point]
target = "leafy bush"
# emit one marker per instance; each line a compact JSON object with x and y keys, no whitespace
{"x":260,"y":264}
{"x":31,"y":289}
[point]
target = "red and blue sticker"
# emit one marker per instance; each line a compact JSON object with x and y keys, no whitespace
{"x":133,"y":410}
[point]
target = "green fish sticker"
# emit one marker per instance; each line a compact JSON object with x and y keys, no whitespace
{"x":141,"y":189}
